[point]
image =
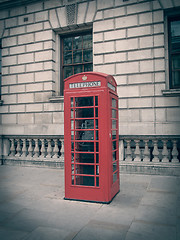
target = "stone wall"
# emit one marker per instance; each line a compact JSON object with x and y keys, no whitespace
{"x":129,"y":43}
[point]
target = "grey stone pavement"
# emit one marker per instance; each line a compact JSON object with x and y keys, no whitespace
{"x":32,"y":208}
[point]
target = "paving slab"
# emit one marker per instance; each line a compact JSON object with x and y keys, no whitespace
{"x":32,"y":207}
{"x":140,"y":230}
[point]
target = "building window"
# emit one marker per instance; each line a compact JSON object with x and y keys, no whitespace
{"x":77,"y":54}
{"x":0,"y":66}
{"x":174,"y":52}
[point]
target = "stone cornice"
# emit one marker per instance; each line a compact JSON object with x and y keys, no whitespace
{"x":4,"y":4}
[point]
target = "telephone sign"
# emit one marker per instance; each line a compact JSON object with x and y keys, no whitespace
{"x":91,"y":137}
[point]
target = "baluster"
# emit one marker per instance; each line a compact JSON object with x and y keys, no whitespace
{"x":49,"y":149}
{"x":18,"y":149}
{"x":24,"y":149}
{"x":137,"y":152}
{"x":146,"y":152}
{"x":12,"y":148}
{"x":43,"y":149}
{"x":128,"y":152}
{"x":30,"y":149}
{"x":62,"y":150}
{"x":155,"y":152}
{"x":174,"y":152}
{"x":165,"y":152}
{"x":36,"y":149}
{"x":56,"y":149}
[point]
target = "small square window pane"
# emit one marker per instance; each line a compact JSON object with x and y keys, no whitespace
{"x":87,"y":41}
{"x":87,"y":56}
{"x":88,"y":67}
{"x":78,"y":69}
{"x":68,"y":71}
{"x":67,"y":58}
{"x":77,"y":42}
{"x":67,"y":44}
{"x":77,"y":57}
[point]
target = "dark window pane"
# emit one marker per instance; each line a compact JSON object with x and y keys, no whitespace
{"x":77,"y":42}
{"x":85,"y":146}
{"x":176,"y":79}
{"x":84,"y":135}
{"x":84,"y":113}
{"x":113,"y":103}
{"x":72,"y":157}
{"x":87,"y":56}
{"x":97,"y":158}
{"x":72,"y":135}
{"x":97,"y":181}
{"x":67,"y":58}
{"x":87,"y":41}
{"x":85,"y":169}
{"x":72,"y":168}
{"x":114,"y":124}
{"x":97,"y":170}
{"x":72,"y":179}
{"x":88,"y":67}
{"x":114,"y":113}
{"x":67,"y":44}
{"x":114,"y":133}
{"x":114,"y":166}
{"x":96,"y":100}
{"x":175,"y":35}
{"x":77,"y":57}
{"x":114,"y":155}
{"x":115,"y":177}
{"x":85,"y":180}
{"x":72,"y":146}
{"x":84,"y":101}
{"x":114,"y":145}
{"x":85,"y":124}
{"x":85,"y":157}
{"x":68,"y":71}
{"x":176,"y":62}
{"x":78,"y":69}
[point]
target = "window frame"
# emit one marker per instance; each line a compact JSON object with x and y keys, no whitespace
{"x":0,"y":70}
{"x":168,"y":14}
{"x":62,"y":36}
{"x":170,"y":19}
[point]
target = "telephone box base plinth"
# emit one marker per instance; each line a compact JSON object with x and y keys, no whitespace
{"x":90,"y":201}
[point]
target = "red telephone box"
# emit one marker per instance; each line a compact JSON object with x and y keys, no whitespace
{"x":91,"y":137}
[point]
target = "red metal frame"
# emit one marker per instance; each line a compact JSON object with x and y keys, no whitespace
{"x":91,"y":137}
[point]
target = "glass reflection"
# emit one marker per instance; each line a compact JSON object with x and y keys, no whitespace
{"x":84,"y":101}
{"x":87,"y":41}
{"x":84,"y":124}
{"x":77,"y":69}
{"x":68,"y":71}
{"x":67,"y":44}
{"x":87,"y":56}
{"x":67,"y":57}
{"x":77,"y":57}
{"x":77,"y":42}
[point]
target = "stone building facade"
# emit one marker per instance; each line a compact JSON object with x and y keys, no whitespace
{"x":132,"y":40}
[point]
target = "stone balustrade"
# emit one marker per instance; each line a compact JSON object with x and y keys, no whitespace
{"x":151,"y":150}
{"x":33,"y":148}
{"x":49,"y":150}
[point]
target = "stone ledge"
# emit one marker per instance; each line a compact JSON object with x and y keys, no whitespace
{"x":56,"y":99}
{"x":167,"y":169}
{"x":171,"y":92}
{"x":33,"y":163}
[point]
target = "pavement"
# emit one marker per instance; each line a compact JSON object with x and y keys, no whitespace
{"x":32,"y":208}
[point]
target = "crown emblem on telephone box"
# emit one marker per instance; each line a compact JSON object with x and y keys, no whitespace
{"x":84,"y":78}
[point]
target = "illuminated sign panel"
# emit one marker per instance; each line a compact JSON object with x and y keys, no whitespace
{"x":85,"y":84}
